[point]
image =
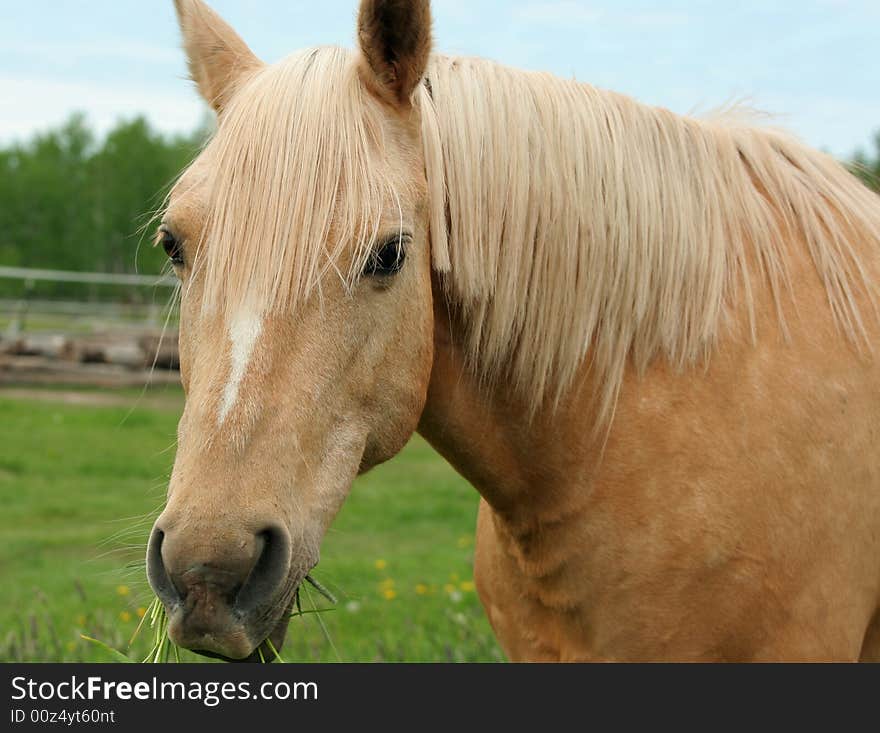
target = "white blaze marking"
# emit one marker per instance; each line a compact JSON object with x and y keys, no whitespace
{"x":244,"y":331}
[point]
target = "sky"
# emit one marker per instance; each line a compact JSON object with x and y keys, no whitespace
{"x":814,"y":65}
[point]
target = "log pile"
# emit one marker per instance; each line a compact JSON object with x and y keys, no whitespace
{"x":109,"y":359}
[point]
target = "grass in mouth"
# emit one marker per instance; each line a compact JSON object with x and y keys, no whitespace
{"x":163,"y":649}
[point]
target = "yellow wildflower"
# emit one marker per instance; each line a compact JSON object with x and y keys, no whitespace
{"x":125,"y":617}
{"x":122,"y":590}
{"x":381,"y":564}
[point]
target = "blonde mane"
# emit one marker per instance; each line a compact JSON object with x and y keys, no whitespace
{"x":569,"y":223}
{"x":584,"y":225}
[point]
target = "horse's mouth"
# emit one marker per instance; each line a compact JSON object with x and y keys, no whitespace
{"x":228,"y":632}
{"x":266,"y":652}
{"x":269,"y":650}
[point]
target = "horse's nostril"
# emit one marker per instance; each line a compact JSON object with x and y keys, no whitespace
{"x":223,"y":590}
{"x":246,"y":575}
{"x":156,"y":572}
{"x":269,"y":572}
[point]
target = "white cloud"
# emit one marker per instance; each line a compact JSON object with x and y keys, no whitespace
{"x":31,"y":104}
{"x":558,"y":12}
{"x":655,"y":19}
{"x":571,"y":12}
{"x":73,"y":52}
{"x":837,"y":123}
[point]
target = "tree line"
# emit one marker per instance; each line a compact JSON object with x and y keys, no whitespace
{"x":71,"y":202}
{"x":867,"y":165}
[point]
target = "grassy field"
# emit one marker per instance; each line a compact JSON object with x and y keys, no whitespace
{"x":81,"y":484}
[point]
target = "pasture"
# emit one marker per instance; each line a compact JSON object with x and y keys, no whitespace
{"x":83,"y":474}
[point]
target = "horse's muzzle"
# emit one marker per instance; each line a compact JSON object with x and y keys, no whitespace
{"x":223,"y":598}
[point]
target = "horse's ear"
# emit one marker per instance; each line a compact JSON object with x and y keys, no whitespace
{"x":218,"y":58}
{"x":395,"y":40}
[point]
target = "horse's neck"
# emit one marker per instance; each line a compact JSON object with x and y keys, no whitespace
{"x":523,"y":465}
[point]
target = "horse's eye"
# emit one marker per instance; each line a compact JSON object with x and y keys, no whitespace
{"x":172,"y":247}
{"x":388,"y":259}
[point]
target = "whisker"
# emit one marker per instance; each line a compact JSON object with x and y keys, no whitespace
{"x":322,"y":590}
{"x":321,"y":623}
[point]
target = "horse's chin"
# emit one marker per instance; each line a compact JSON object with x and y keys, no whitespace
{"x":264,"y":652}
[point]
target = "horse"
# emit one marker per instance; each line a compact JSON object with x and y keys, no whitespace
{"x":647,"y":340}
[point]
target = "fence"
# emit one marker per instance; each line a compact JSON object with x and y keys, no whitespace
{"x":35,"y":312}
{"x":122,"y":336}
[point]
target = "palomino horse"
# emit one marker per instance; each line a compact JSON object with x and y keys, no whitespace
{"x":645,"y":339}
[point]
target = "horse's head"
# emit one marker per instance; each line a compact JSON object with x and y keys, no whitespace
{"x":300,"y":238}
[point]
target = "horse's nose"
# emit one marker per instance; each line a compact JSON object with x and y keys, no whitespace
{"x":216,"y":593}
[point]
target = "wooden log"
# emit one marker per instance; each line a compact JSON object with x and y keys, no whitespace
{"x":42,"y":370}
{"x":161,"y":349}
{"x":121,"y":349}
{"x":125,"y":354}
{"x":51,"y":346}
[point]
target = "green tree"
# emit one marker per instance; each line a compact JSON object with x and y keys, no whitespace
{"x":867,"y":166}
{"x":130,"y":176}
{"x":71,"y":202}
{"x":44,"y":197}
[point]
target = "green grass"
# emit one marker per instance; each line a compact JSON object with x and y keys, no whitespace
{"x":80,"y":486}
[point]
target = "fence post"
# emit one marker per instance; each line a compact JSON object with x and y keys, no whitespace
{"x":19,"y":318}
